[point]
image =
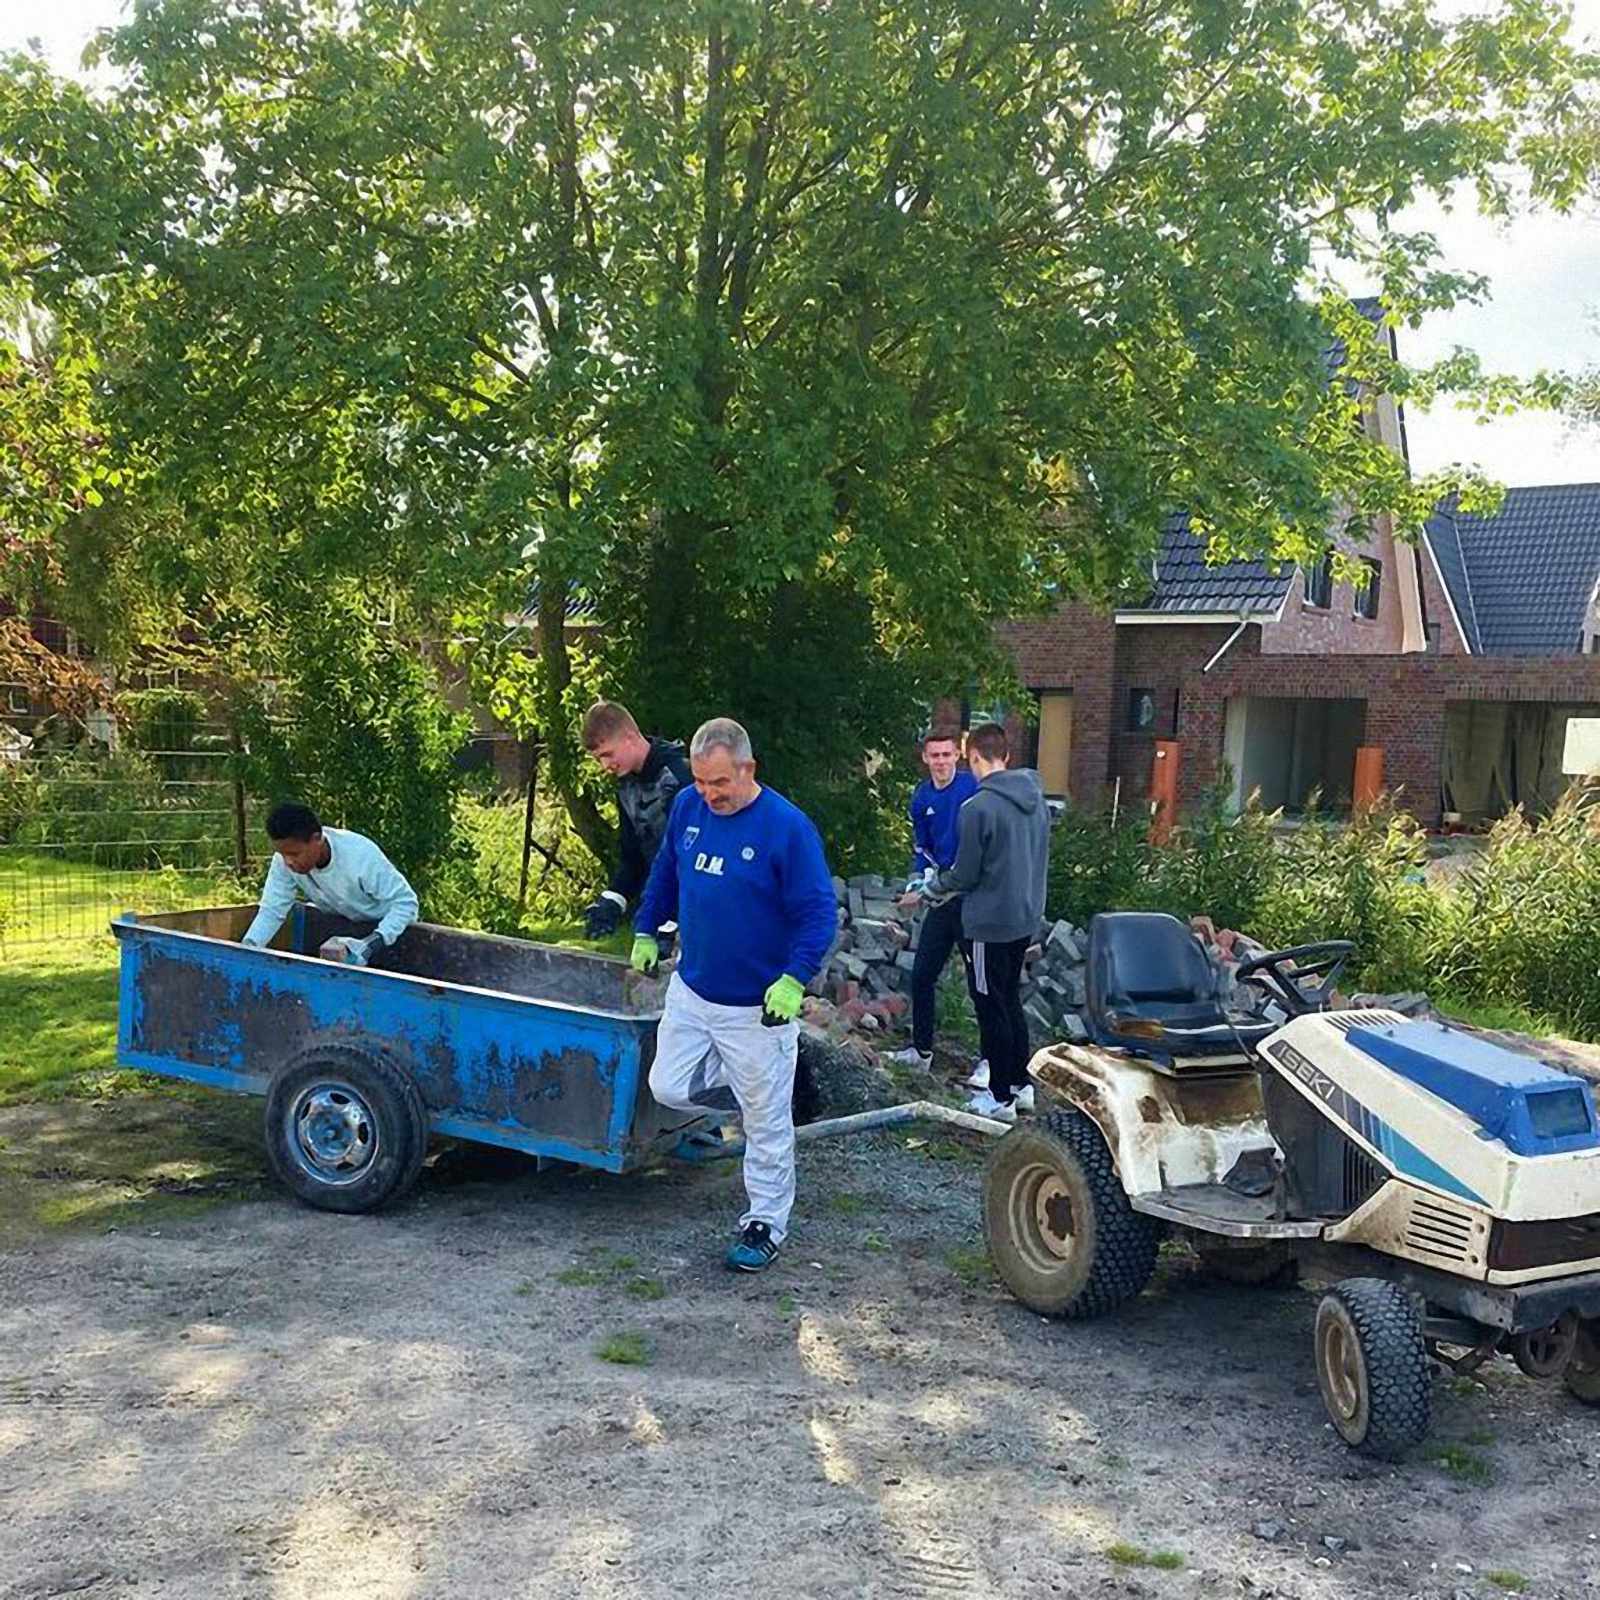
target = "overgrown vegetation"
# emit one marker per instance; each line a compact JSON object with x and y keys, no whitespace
{"x":1514,"y":939}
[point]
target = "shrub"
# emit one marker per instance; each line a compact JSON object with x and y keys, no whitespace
{"x":361,"y":734}
{"x":1216,"y":864}
{"x":1524,"y":923}
{"x":111,"y":809}
{"x":1361,"y":880}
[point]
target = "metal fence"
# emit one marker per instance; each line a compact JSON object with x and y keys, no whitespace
{"x":138,"y":812}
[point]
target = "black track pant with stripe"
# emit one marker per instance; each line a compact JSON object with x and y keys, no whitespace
{"x":995,"y":974}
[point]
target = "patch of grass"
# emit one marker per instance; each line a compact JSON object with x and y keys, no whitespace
{"x":625,"y":1350}
{"x":525,"y":1288}
{"x":951,"y":1150}
{"x":58,"y":1016}
{"x":646,"y":1289}
{"x":1463,"y":1464}
{"x":1132,"y":1555}
{"x":1498,"y":1015}
{"x":1511,"y":1582}
{"x":1465,"y":1388}
{"x":785,"y":1305}
{"x":581,"y":1277}
{"x":971,"y":1265}
{"x":875,"y":1241}
{"x":845,"y":1204}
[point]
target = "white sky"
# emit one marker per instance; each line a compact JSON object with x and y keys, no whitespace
{"x":1544,"y":274}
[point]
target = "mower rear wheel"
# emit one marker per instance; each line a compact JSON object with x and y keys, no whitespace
{"x":1058,"y":1224}
{"x":1372,"y":1366}
{"x":1583,"y":1368}
{"x":1258,"y":1266}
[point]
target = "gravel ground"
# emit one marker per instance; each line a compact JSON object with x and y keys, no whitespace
{"x":263,"y":1401}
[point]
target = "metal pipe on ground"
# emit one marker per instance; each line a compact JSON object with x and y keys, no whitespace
{"x":896,"y":1116}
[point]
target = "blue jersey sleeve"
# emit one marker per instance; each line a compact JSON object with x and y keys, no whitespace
{"x":810,"y":910}
{"x":659,"y":902}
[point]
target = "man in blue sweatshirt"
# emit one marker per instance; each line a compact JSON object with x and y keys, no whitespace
{"x":741,"y":870}
{"x":935,"y":811}
{"x":337,"y":871}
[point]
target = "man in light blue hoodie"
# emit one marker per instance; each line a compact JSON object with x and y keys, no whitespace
{"x":337,"y":871}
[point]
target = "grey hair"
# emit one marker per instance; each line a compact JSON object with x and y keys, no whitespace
{"x":721,"y":733}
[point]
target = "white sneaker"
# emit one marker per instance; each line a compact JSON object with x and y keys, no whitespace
{"x":978,"y":1078}
{"x":912,"y":1057}
{"x":1023,"y":1099}
{"x":984,"y":1104}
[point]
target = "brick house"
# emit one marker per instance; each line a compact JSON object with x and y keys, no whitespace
{"x":1455,"y":668}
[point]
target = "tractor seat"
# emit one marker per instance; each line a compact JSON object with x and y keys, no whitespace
{"x":1146,"y":966}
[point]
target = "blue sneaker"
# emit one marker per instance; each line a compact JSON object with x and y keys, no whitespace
{"x":755,"y":1251}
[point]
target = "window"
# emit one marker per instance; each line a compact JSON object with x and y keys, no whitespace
{"x":1319,"y":583}
{"x":1367,"y":596}
{"x":1141,"y":710}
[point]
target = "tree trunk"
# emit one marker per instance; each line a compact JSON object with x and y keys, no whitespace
{"x":561,"y":748}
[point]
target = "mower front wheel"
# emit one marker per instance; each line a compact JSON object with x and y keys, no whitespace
{"x":1582,"y":1373}
{"x":1058,"y":1224}
{"x":1372,"y":1367}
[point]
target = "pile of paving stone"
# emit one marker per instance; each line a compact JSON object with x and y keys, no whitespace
{"x":863,"y":994}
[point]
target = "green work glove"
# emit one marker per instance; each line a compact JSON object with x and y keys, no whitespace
{"x":784,"y":997}
{"x":646,"y":955}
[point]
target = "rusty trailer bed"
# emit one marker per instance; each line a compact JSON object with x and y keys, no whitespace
{"x":523,"y":1045}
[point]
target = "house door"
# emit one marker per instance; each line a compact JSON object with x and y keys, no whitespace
{"x":1055,"y":741}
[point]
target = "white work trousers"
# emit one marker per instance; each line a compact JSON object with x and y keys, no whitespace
{"x":721,"y":1058}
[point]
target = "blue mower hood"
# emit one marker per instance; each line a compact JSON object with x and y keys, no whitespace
{"x":1533,"y":1109}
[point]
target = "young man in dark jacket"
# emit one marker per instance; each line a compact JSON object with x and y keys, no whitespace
{"x":1001,"y":862}
{"x":650,"y":773}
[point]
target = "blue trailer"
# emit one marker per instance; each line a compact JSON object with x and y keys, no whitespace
{"x":523,"y":1045}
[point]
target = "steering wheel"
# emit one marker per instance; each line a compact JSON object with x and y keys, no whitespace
{"x":1323,"y":962}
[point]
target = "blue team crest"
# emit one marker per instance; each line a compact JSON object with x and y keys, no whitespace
{"x":689,"y":836}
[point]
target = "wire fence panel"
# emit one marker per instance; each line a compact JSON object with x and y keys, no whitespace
{"x":141,"y":812}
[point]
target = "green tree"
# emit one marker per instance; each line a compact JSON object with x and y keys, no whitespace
{"x":803,"y":340}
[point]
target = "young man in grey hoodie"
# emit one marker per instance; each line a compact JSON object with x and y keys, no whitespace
{"x":1001,"y":861}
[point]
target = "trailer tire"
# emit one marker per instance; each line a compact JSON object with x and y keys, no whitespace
{"x":1058,"y":1224}
{"x":1372,"y":1367}
{"x":346,"y":1129}
{"x":1582,"y":1375}
{"x":1264,"y":1266}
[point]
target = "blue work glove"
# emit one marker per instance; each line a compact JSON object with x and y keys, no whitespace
{"x":646,"y":955}
{"x":603,"y":918}
{"x":783,"y":999}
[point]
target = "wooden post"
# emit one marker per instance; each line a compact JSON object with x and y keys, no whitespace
{"x":527,"y":824}
{"x":1368,"y":783}
{"x":241,"y":841}
{"x":1164,"y":790}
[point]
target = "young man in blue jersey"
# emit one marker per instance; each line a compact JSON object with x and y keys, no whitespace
{"x":741,"y":869}
{"x":935,"y":812}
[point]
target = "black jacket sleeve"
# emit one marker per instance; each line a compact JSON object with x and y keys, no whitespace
{"x":632,"y":870}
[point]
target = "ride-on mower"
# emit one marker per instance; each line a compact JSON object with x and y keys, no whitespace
{"x":1447,"y":1190}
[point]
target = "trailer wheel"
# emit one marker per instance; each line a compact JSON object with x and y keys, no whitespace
{"x":345,"y":1127}
{"x":1372,"y":1366}
{"x":1058,"y":1225}
{"x":1583,"y":1368}
{"x":1259,"y":1266}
